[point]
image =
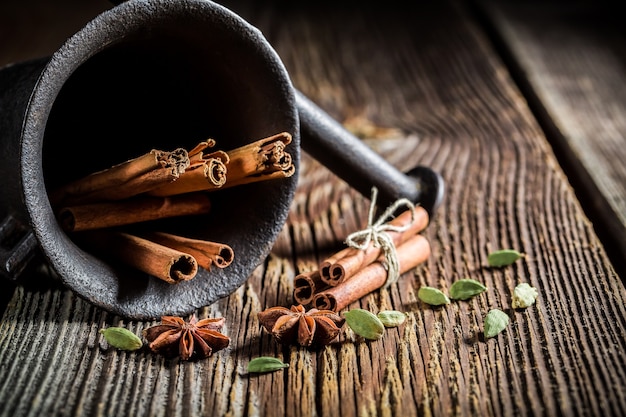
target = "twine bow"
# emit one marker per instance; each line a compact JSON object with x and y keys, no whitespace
{"x":376,"y":234}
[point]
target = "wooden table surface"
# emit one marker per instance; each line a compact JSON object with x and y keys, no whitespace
{"x":520,"y":109}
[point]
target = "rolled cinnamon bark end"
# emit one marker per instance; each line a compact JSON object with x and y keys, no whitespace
{"x":205,"y":252}
{"x":67,"y":219}
{"x":183,"y":268}
{"x":139,"y":209}
{"x":323,"y":301}
{"x":325,"y":269}
{"x":327,"y":264}
{"x":349,"y":261}
{"x":306,"y":285}
{"x":224,"y":257}
{"x":336,"y":274}
{"x":215,"y":172}
{"x":167,"y":264}
{"x":209,"y":174}
{"x":261,"y":160}
{"x":411,"y":253}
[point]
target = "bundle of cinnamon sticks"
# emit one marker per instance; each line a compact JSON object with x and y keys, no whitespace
{"x":352,"y":273}
{"x":160,"y":184}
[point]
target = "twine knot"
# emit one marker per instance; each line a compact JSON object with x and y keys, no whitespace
{"x":376,"y":234}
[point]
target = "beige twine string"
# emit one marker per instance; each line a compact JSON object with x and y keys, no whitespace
{"x":376,"y":234}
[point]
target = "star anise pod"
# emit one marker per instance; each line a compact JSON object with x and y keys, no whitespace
{"x":311,"y":328}
{"x":195,"y":339}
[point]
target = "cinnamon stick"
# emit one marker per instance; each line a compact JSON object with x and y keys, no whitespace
{"x":135,"y":210}
{"x":124,"y":180}
{"x":165,"y":263}
{"x":344,"y":264}
{"x":204,"y":174}
{"x":261,"y":160}
{"x":206,"y":253}
{"x":306,"y":285}
{"x":411,"y":253}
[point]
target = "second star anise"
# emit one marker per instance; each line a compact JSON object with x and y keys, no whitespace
{"x":195,"y":339}
{"x":311,"y":328}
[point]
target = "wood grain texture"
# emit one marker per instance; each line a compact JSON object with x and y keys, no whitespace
{"x":36,"y":28}
{"x":432,"y":73}
{"x":569,"y":59}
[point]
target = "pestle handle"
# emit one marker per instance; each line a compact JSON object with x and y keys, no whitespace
{"x":352,"y":160}
{"x":17,"y":249}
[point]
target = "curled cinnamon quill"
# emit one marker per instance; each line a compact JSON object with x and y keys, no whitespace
{"x":165,"y":263}
{"x":124,"y":180}
{"x":306,"y":285}
{"x":260,"y":160}
{"x":204,"y":174}
{"x":205,"y":252}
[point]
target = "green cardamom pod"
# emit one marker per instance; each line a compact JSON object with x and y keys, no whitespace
{"x":121,"y":338}
{"x":503,"y":257}
{"x":365,"y":323}
{"x":524,"y":296}
{"x":466,"y":288}
{"x":432,"y":296}
{"x":391,"y":318}
{"x":266,"y":364}
{"x":495,"y":321}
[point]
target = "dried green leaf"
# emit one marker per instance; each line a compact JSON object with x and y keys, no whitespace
{"x":432,"y":296}
{"x":365,"y":323}
{"x":503,"y":257}
{"x":121,"y":338}
{"x":466,"y":288}
{"x":524,"y":296}
{"x":266,"y":364}
{"x":495,"y":321}
{"x":391,"y":318}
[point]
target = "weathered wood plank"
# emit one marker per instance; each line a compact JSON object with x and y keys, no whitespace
{"x":569,"y":59}
{"x":432,"y":73}
{"x":36,"y":28}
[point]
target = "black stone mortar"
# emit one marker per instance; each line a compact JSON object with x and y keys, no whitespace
{"x":163,"y":74}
